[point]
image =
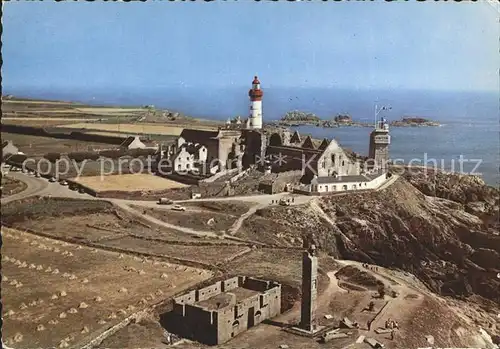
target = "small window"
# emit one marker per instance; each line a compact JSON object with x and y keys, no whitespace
{"x":187,"y":166}
{"x":179,"y":166}
{"x":343,"y":163}
{"x":333,"y":159}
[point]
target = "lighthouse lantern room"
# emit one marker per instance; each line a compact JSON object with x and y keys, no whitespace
{"x":255,"y":94}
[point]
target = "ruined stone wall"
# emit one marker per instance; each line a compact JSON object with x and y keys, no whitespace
{"x":336,"y":160}
{"x":225,"y":148}
{"x":200,"y":324}
{"x":293,"y":158}
{"x":238,"y":319}
{"x":230,"y":284}
{"x":216,"y":327}
{"x":255,"y":146}
{"x":208,"y":292}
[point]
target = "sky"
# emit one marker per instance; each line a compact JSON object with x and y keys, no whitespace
{"x":361,"y":45}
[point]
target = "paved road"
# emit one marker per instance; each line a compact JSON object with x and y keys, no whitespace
{"x":34,"y":186}
{"x":265,"y":200}
{"x":41,"y":186}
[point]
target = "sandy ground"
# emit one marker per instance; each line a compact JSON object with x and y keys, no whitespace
{"x":45,"y":308}
{"x":134,"y":128}
{"x":129,"y":182}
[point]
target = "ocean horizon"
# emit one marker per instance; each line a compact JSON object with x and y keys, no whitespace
{"x":470,"y":120}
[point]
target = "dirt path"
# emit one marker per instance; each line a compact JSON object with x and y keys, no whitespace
{"x":323,"y":299}
{"x":318,"y":210}
{"x":237,"y":225}
{"x":156,"y":221}
{"x":393,"y":179}
{"x":398,"y":307}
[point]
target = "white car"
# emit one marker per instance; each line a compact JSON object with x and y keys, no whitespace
{"x":178,"y":208}
{"x":52,"y":180}
{"x":63,"y":182}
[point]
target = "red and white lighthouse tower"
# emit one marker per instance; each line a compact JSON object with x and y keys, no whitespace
{"x":255,"y":93}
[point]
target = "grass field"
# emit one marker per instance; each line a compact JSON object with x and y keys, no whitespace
{"x":93,"y":111}
{"x":129,"y":182}
{"x":39,"y":146}
{"x":11,"y":186}
{"x":195,"y":219}
{"x":22,"y":101}
{"x":57,"y":294}
{"x":44,"y":122}
{"x":90,"y":221}
{"x":136,"y":128}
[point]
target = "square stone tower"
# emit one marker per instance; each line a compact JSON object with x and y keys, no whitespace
{"x":309,"y":288}
{"x":379,"y":146}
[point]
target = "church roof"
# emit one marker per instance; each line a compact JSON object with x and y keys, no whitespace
{"x":324,"y":144}
{"x":295,"y":137}
{"x":308,"y":143}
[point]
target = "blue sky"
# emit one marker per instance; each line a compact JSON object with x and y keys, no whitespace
{"x":79,"y":45}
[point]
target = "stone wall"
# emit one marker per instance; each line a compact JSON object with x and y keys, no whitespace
{"x":219,"y":326}
{"x":60,"y":134}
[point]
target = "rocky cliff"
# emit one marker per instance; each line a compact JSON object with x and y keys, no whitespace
{"x":443,"y":228}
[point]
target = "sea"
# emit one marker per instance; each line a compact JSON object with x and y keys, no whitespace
{"x":468,"y":140}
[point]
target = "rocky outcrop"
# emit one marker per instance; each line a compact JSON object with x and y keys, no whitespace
{"x":433,"y":237}
{"x":442,"y":232}
{"x":470,"y":191}
{"x":414,"y":122}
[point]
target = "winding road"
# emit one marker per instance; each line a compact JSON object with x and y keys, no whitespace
{"x":42,"y":187}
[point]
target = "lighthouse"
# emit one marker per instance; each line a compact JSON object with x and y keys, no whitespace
{"x":255,"y":94}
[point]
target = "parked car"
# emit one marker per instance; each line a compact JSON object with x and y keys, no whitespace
{"x":82,"y":191}
{"x":165,"y":201}
{"x":52,"y":180}
{"x":63,"y":182}
{"x":178,"y":208}
{"x":37,"y":175}
{"x":284,"y":202}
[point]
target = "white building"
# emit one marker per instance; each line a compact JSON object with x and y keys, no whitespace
{"x":189,"y":156}
{"x":329,"y":184}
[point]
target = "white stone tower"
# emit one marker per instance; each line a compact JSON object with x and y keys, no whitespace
{"x":255,"y":94}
